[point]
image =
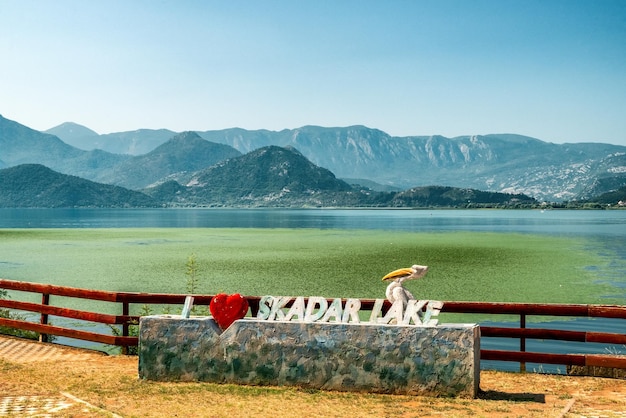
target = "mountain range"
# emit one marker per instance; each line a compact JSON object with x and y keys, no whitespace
{"x":155,"y":161}
{"x":281,"y":177}
{"x":499,"y":162}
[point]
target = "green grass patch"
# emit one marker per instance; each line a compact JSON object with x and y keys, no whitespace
{"x":464,"y":266}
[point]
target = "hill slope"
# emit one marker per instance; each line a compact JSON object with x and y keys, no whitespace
{"x":440,"y":196}
{"x":33,"y":185}
{"x":616,"y":198}
{"x":282,"y":177}
{"x":270,"y":176}
{"x":22,"y":145}
{"x":499,"y":162}
{"x":185,"y":152}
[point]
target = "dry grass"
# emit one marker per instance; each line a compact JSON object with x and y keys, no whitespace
{"x":111,"y":384}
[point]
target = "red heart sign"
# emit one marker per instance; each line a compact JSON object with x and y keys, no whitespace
{"x":226,"y":309}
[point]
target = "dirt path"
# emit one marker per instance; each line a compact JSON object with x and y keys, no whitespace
{"x":47,"y":380}
{"x":24,"y":351}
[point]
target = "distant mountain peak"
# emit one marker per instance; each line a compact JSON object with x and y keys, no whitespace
{"x":186,"y":135}
{"x":266,"y":171}
{"x":184,"y":152}
{"x":189,"y":141}
{"x":70,"y":131}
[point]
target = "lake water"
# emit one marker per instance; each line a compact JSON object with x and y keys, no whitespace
{"x":603,"y":224}
{"x":604,"y":230}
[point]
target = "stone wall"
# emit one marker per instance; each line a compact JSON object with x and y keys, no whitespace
{"x":441,"y":360}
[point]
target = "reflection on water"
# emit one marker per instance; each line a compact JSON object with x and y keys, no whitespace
{"x":563,"y":222}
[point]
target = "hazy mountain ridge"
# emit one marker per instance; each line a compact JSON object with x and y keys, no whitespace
{"x":275,"y":176}
{"x":136,"y":142}
{"x":185,"y":152}
{"x":182,"y":152}
{"x":495,"y":162}
{"x":271,"y":167}
{"x":269,"y":176}
{"x":498,"y":163}
{"x":36,"y":186}
{"x":72,"y":133}
{"x":20,"y":144}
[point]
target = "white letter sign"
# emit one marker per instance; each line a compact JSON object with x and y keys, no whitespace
{"x":317,"y":309}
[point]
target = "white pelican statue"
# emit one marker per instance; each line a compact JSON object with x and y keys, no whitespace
{"x":395,"y":290}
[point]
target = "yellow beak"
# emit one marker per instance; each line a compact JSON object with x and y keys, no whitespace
{"x":398,"y":273}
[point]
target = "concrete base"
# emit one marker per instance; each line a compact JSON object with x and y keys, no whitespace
{"x":440,"y":361}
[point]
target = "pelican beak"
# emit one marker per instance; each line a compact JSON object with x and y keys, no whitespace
{"x":398,"y":273}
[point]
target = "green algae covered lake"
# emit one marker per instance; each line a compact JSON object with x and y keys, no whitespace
{"x":467,"y":266}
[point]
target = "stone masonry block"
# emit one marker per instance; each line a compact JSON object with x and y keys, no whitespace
{"x":443,"y":360}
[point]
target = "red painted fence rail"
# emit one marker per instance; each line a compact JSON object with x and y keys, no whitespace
{"x":125,"y":299}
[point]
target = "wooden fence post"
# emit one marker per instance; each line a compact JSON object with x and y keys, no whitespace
{"x":522,"y":342}
{"x":125,"y":325}
{"x":43,"y":318}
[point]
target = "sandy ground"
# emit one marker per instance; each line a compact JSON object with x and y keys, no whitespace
{"x":46,"y":380}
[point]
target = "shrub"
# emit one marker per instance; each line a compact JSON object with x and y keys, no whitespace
{"x":5,"y":313}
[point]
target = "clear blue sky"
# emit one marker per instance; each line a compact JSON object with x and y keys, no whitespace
{"x":551,"y":69}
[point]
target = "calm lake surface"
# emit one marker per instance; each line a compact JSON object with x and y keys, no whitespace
{"x":610,"y":223}
{"x":605,"y":232}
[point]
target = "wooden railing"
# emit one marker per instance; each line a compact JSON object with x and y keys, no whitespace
{"x":523,"y":310}
{"x":45,"y":309}
{"x":559,"y":310}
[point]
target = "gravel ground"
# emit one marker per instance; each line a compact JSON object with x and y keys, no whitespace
{"x":47,"y":380}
